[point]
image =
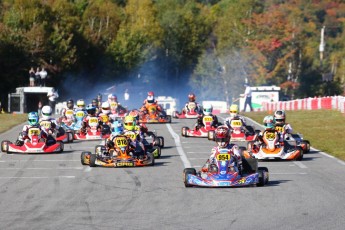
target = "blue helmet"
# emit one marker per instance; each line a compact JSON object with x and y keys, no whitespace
{"x":117,"y":127}
{"x":33,"y":118}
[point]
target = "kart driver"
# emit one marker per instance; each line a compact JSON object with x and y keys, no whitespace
{"x":191,"y":104}
{"x":33,"y":122}
{"x":234,"y":115}
{"x":150,"y":100}
{"x":222,"y":138}
{"x":91,"y":113}
{"x":51,"y":125}
{"x":281,"y":127}
{"x":115,"y":106}
{"x":207,"y":111}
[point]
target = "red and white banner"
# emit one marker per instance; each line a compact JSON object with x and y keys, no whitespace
{"x":311,"y":103}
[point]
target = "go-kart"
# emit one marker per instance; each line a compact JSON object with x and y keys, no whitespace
{"x":72,"y":123}
{"x":122,"y":155}
{"x":151,"y":144}
{"x":270,"y":148}
{"x":116,"y":112}
{"x":226,"y":174}
{"x":93,"y":131}
{"x":199,"y":132}
{"x":191,"y":113}
{"x":152,"y":115}
{"x":239,"y":132}
{"x":66,"y":137}
{"x":304,"y":144}
{"x":35,"y":144}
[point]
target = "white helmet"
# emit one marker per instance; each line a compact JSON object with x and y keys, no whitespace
{"x":46,"y":112}
{"x":208,"y":109}
{"x":112,"y":97}
{"x":105,"y":107}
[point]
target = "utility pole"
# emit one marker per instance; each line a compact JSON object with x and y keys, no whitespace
{"x":322,"y":45}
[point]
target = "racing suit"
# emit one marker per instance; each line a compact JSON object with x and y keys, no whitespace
{"x":283,"y":130}
{"x":245,"y":127}
{"x":196,"y":106}
{"x":52,"y":127}
{"x":24,"y":135}
{"x":199,"y":122}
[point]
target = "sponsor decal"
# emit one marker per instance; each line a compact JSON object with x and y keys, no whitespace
{"x":120,"y":164}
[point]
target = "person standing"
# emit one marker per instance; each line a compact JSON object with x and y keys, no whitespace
{"x":38,"y":77}
{"x":32,"y":77}
{"x":52,"y":96}
{"x":43,"y":76}
{"x":248,"y":98}
{"x":39,"y":107}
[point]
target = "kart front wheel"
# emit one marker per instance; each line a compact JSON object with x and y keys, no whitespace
{"x":263,"y":176}
{"x":161,"y":141}
{"x":4,"y":146}
{"x":184,"y":131}
{"x":186,"y":172}
{"x":306,"y":146}
{"x":210,"y":135}
{"x":93,"y":158}
{"x":83,"y":157}
{"x":61,"y":146}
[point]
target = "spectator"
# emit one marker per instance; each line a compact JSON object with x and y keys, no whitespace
{"x":52,"y":96}
{"x":38,"y":77}
{"x":39,"y":107}
{"x":32,"y":77}
{"x":43,"y":75}
{"x":248,"y":97}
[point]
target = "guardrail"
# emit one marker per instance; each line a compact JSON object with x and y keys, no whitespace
{"x":311,"y":103}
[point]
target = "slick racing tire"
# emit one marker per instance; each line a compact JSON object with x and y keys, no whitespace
{"x":184,"y":131}
{"x":83,"y":157}
{"x":187,"y":171}
{"x":161,"y":141}
{"x":4,"y":146}
{"x":61,"y":146}
{"x":210,"y":135}
{"x":263,"y":176}
{"x":306,"y":144}
{"x":93,"y":158}
{"x":158,"y":149}
{"x":70,"y":136}
{"x":168,"y":118}
{"x":300,"y":157}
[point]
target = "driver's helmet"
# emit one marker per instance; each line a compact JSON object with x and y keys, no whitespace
{"x":91,"y":110}
{"x":129,"y":123}
{"x":134,"y":113}
{"x":46,"y":112}
{"x":33,"y":118}
{"x":269,"y":122}
{"x":222,"y":136}
{"x":150,"y":97}
{"x":94,"y":102}
{"x":191,"y":97}
{"x":70,"y":104}
{"x":81,"y":104}
{"x":105,"y":107}
{"x":279,"y":117}
{"x":213,"y":168}
{"x":233,"y":110}
{"x":112,"y":98}
{"x":207,"y":109}
{"x":117,"y":127}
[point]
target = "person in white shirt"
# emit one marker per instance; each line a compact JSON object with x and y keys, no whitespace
{"x":43,"y":75}
{"x":52,"y":96}
{"x":248,"y":97}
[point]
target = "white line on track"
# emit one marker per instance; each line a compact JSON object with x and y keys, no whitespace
{"x":38,"y":177}
{"x":300,"y":164}
{"x":180,"y":151}
{"x":88,"y":169}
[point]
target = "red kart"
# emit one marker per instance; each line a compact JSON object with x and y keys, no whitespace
{"x":191,"y":113}
{"x":35,"y":144}
{"x":67,"y":137}
{"x":201,"y":132}
{"x":93,"y":132}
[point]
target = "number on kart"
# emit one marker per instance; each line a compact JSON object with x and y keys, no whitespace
{"x":279,"y":128}
{"x":93,"y":120}
{"x":270,"y":136}
{"x":208,"y":119}
{"x":236,"y":123}
{"x":121,"y":142}
{"x":34,"y":132}
{"x":80,"y":114}
{"x":223,"y":157}
{"x":46,"y":124}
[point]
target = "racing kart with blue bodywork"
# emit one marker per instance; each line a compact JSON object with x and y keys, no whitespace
{"x":225,"y":174}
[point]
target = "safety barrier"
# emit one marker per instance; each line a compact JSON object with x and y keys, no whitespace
{"x":311,"y":103}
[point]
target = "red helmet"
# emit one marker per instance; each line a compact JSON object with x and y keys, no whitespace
{"x":191,"y":97}
{"x":222,"y":135}
{"x":150,"y":97}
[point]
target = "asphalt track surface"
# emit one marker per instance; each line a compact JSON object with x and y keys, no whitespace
{"x":54,"y":191}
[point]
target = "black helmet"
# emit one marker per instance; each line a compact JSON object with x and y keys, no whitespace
{"x":70,"y":104}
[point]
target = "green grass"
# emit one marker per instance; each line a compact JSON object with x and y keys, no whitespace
{"x":8,"y":121}
{"x":323,"y":128}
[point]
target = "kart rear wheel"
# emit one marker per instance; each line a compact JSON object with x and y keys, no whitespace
{"x":83,"y":157}
{"x":4,"y":146}
{"x":70,"y":136}
{"x":159,"y":151}
{"x":307,"y":146}
{"x":263,"y":176}
{"x":93,"y":158}
{"x":157,"y":141}
{"x":187,"y":171}
{"x":168,"y":118}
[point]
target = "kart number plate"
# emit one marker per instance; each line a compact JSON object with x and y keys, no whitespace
{"x":270,"y":136}
{"x":69,"y":112}
{"x":223,"y":157}
{"x":131,"y":135}
{"x":208,"y":119}
{"x":124,"y":164}
{"x":121,"y":142}
{"x":191,"y":106}
{"x":34,"y":131}
{"x":46,"y":124}
{"x":80,"y":114}
{"x":236,"y":123}
{"x":279,"y":128}
{"x":93,"y":121}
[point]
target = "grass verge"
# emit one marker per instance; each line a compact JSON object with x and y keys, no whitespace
{"x":323,"y":128}
{"x":8,"y":120}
